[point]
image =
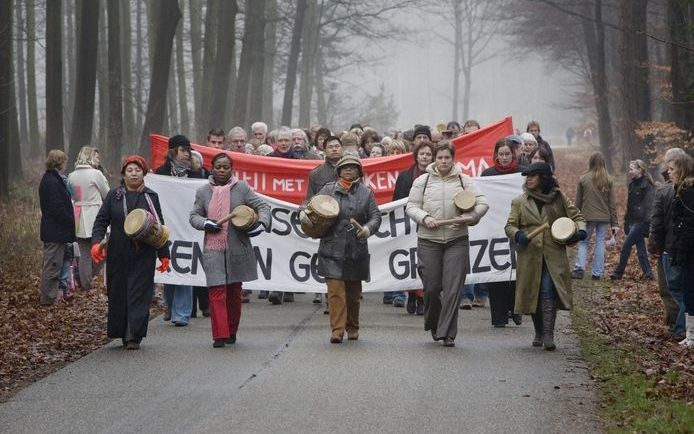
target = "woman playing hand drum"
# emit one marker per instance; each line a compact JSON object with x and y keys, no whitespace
{"x":543,"y":279}
{"x":228,"y":256}
{"x":130,"y":263}
{"x":442,"y":249}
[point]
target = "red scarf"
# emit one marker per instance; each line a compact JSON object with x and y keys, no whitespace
{"x":511,"y":168}
{"x":345,"y":184}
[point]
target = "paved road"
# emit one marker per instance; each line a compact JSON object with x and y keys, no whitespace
{"x":284,"y":376}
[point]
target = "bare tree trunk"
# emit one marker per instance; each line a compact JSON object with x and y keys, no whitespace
{"x":21,"y":80}
{"x":307,"y":58}
{"x":102,"y":76}
{"x":5,"y":94}
{"x":209,"y":56}
{"x":269,"y":67}
{"x":115,"y":94}
{"x":254,"y":33}
{"x":139,"y":110}
{"x":85,"y":86}
{"x":169,"y":15}
{"x":172,"y":98}
{"x":184,"y":125}
{"x":682,"y":64}
{"x":255,"y":106}
{"x":292,"y":63}
{"x":321,"y":106}
{"x":54,"y":75}
{"x":34,"y":136}
{"x":457,"y":58}
{"x":594,"y":34}
{"x":194,"y":13}
{"x":129,"y":138}
{"x":222,"y":66}
{"x":69,"y":74}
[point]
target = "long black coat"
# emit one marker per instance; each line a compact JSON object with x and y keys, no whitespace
{"x":129,"y":265}
{"x":639,"y":202}
{"x":57,"y":215}
{"x":683,"y":224}
{"x":404,"y":183}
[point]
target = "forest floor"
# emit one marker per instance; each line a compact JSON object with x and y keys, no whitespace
{"x":644,"y":375}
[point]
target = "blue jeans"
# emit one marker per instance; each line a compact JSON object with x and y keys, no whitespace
{"x":471,"y":290}
{"x":179,"y":300}
{"x":687,"y":285}
{"x":64,"y":279}
{"x":673,"y":275}
{"x":634,"y":237}
{"x":600,"y":229}
{"x":547,"y":289}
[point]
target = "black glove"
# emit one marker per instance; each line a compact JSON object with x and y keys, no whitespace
{"x":522,"y":238}
{"x":255,"y":230}
{"x":211,"y":226}
{"x":578,"y":236}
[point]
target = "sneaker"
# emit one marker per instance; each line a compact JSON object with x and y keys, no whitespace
{"x":275,"y":298}
{"x":480,"y":302}
{"x":132,"y":345}
{"x":594,"y":277}
{"x":398,"y":301}
{"x":231,"y":340}
{"x":288,"y":297}
{"x":318,"y":298}
{"x":577,"y":273}
{"x":411,"y":304}
{"x":262,"y":295}
{"x":218,"y":343}
{"x":388,"y":299}
{"x":419,"y":310}
{"x":517,"y":318}
{"x":466,"y":305}
{"x":206,"y":313}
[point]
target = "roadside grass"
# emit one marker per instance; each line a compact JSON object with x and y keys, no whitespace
{"x":632,"y":400}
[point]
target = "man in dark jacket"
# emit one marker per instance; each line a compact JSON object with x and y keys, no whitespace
{"x":534,"y":129}
{"x":57,"y":224}
{"x":661,"y":244}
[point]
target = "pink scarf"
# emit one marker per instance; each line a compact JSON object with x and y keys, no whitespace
{"x":218,"y":208}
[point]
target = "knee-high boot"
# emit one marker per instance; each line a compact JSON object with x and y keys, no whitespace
{"x":549,"y":316}
{"x":537,"y":323}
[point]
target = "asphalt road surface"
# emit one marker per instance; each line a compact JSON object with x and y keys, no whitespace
{"x":283,"y":375}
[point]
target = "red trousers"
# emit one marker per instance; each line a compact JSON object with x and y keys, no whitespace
{"x":225,"y":309}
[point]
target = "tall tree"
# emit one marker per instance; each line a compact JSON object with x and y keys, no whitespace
{"x":634,"y":71}
{"x":69,"y":68}
{"x":54,"y":75}
{"x":292,"y":62}
{"x":681,"y":20}
{"x":594,"y":32}
{"x":21,"y":79}
{"x":212,"y":24}
{"x":138,"y":61}
{"x":85,"y":85}
{"x":5,"y":94}
{"x":184,"y":125}
{"x":253,"y":44}
{"x":102,"y":80}
{"x":34,"y":136}
{"x":129,"y":135}
{"x":269,"y":55}
{"x":222,"y":64}
{"x":308,"y":56}
{"x":195,"y":19}
{"x":255,"y":106}
{"x":115,"y":94}
{"x":172,"y":98}
{"x":168,"y":15}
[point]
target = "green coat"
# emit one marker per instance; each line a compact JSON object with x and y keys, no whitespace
{"x":525,"y":216}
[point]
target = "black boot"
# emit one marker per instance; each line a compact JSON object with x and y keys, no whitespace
{"x":537,"y":323}
{"x":549,"y":316}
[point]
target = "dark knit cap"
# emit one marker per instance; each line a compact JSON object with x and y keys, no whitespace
{"x":422,"y":129}
{"x":178,"y":140}
{"x":537,"y":169}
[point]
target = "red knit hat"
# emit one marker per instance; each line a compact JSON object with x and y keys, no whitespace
{"x":137,"y":160}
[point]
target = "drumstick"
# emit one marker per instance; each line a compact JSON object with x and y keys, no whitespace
{"x":453,"y":221}
{"x":103,"y":242}
{"x":356,"y":224}
{"x":230,"y":216}
{"x":538,"y":231}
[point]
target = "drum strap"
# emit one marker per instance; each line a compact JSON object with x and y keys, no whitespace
{"x":427,"y":183}
{"x":149,"y":204}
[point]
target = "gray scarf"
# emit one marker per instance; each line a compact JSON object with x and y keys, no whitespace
{"x":179,"y":169}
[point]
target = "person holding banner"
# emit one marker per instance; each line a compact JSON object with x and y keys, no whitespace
{"x":228,"y":255}
{"x":543,"y":275}
{"x":343,"y":253}
{"x":130,"y":263}
{"x":442,"y":239}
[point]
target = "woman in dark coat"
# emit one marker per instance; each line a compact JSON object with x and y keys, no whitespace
{"x":423,"y":153}
{"x":502,"y":294}
{"x":637,"y":220}
{"x":57,"y":224}
{"x":130,"y":264}
{"x":228,"y":255}
{"x":343,"y":253}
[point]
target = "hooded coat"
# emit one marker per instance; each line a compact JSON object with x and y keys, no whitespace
{"x":526,"y":216}
{"x":129,"y":264}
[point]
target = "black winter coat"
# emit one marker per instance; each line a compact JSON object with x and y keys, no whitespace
{"x":129,"y":264}
{"x":403,"y":184}
{"x":57,"y":214}
{"x":639,"y":202}
{"x":683,"y":225}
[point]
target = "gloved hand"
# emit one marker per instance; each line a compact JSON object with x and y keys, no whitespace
{"x":255,"y":230}
{"x":363,"y":233}
{"x":522,"y":238}
{"x":578,"y":236}
{"x":98,"y":253}
{"x":211,"y":226}
{"x":303,"y":218}
{"x":164,"y":265}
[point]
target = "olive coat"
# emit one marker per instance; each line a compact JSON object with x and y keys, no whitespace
{"x":238,"y":262}
{"x":526,"y":216}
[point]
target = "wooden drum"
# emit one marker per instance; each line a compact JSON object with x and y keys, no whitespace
{"x":465,"y":200}
{"x":243,"y":217}
{"x":563,"y":229}
{"x":141,"y":225}
{"x":322,"y":210}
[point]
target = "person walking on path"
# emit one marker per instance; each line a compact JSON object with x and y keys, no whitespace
{"x":228,"y":255}
{"x":637,"y":219}
{"x":89,"y":188}
{"x":534,"y":129}
{"x":343,"y":252}
{"x":442,"y":248}
{"x":129,"y":263}
{"x":57,"y":224}
{"x":681,"y":171}
{"x":595,"y":199}
{"x":543,"y":281}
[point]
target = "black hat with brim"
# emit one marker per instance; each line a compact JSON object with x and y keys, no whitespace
{"x":537,"y":169}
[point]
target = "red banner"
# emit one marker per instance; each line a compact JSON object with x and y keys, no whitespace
{"x":287,"y":179}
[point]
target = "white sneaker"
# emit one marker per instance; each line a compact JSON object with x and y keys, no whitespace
{"x":688,"y":342}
